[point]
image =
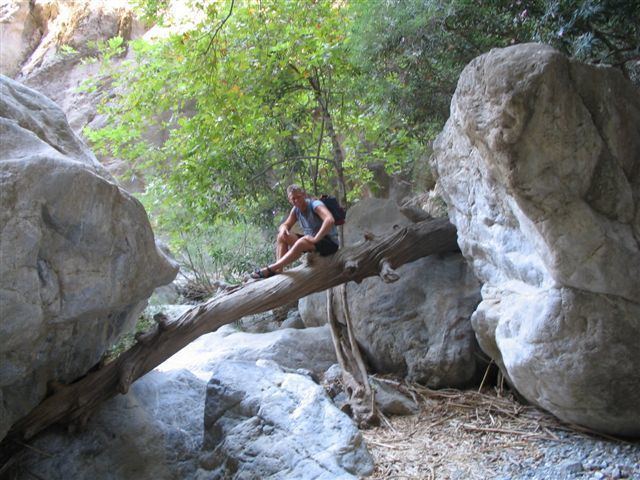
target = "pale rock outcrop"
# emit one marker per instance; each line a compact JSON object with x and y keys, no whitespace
{"x":51,"y":47}
{"x":39,"y":31}
{"x":20,"y":34}
{"x":262,"y":422}
{"x":78,"y":257}
{"x":157,"y":429}
{"x":417,"y":327}
{"x":539,"y":164}
{"x":309,"y":348}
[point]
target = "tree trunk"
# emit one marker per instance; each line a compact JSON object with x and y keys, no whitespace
{"x":338,"y":153}
{"x":73,"y":403}
{"x":361,"y":397}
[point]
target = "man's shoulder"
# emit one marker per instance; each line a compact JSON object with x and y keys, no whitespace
{"x":315,"y":203}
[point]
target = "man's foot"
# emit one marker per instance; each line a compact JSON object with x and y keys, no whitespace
{"x":259,"y":273}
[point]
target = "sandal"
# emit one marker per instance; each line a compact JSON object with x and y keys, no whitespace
{"x":257,"y":274}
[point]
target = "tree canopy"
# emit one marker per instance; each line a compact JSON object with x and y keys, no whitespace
{"x":255,"y":94}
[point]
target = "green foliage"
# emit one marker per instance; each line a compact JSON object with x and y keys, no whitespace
{"x":414,"y":50}
{"x":68,"y":51}
{"x":222,"y":116}
{"x":128,"y":340}
{"x":249,"y":103}
{"x":594,"y":31}
{"x":151,"y":11}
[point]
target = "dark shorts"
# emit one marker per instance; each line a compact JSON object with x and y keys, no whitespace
{"x":325,"y":246}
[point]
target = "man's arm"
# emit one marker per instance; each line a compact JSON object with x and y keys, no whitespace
{"x":327,"y":222}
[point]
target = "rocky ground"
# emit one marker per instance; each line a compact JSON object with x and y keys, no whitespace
{"x":490,"y":435}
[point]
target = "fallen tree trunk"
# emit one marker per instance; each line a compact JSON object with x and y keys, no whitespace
{"x":72,"y":404}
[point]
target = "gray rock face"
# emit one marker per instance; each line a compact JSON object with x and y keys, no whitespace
{"x":156,"y":430}
{"x":540,"y":167}
{"x":419,"y":326}
{"x":261,"y":422}
{"x":153,"y":432}
{"x":78,"y":255}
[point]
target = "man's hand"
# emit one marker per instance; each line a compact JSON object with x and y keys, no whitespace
{"x":283,"y":232}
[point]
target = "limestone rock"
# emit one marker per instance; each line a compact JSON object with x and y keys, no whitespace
{"x":156,"y":430}
{"x":261,"y":422}
{"x":51,"y":47}
{"x":539,"y":164}
{"x":309,"y":348}
{"x":78,"y":255}
{"x":417,"y":327}
{"x":19,"y":35}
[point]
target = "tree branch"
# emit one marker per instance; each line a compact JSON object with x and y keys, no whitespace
{"x":219,"y":27}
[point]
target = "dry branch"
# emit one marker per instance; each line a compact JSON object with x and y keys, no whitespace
{"x":73,"y":403}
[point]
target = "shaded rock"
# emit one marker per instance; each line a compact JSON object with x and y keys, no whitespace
{"x":261,"y":422}
{"x":293,"y":320}
{"x":539,"y":166}
{"x":392,"y":401}
{"x":417,"y":327}
{"x":155,"y":431}
{"x":285,"y":316}
{"x":78,"y":259}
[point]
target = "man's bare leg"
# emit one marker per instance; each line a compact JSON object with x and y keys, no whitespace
{"x":301,"y":246}
{"x":284,"y":244}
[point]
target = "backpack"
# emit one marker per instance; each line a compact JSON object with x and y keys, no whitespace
{"x":332,"y":204}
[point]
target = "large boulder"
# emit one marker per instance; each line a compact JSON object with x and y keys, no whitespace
{"x":78,"y":259}
{"x":418,"y":327}
{"x":539,"y":163}
{"x":263,"y":422}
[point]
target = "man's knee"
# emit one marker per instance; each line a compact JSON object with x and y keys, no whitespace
{"x":303,"y":245}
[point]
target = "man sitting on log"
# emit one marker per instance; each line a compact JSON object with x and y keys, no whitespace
{"x":319,"y":232}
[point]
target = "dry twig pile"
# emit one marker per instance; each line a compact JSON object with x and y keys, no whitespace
{"x":460,"y":435}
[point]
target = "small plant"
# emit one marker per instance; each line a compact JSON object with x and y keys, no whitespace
{"x":144,"y":324}
{"x":68,"y":51}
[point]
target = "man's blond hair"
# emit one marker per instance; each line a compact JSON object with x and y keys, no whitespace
{"x":294,"y":188}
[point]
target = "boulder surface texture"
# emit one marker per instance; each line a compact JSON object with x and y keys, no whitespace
{"x":78,"y":259}
{"x":539,"y":163}
{"x":262,"y":422}
{"x":156,"y":430}
{"x":417,"y":327}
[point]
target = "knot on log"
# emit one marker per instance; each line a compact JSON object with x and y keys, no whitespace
{"x":369,"y":236}
{"x":161,"y":320}
{"x":351,"y":266}
{"x":387,"y":273}
{"x":146,"y":337}
{"x":53,"y":387}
